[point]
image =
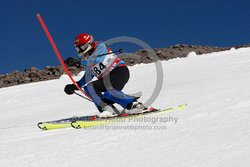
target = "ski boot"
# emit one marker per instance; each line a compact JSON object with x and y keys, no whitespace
{"x":135,"y":108}
{"x":108,"y":111}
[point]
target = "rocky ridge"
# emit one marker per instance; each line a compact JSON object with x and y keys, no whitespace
{"x":33,"y":74}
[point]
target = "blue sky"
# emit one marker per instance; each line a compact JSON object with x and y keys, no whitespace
{"x":160,"y":23}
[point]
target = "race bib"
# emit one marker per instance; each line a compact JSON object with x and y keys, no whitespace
{"x":104,"y":66}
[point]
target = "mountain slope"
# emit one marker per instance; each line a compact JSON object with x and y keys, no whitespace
{"x":212,"y":131}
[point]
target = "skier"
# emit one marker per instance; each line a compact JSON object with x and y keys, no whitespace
{"x":112,"y":75}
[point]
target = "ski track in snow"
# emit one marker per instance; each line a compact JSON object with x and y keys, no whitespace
{"x":212,"y":131}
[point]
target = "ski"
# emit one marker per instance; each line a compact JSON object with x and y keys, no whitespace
{"x":94,"y":120}
{"x":63,"y":123}
{"x":78,"y":124}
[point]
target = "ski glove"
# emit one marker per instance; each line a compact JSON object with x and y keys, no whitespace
{"x":70,"y":89}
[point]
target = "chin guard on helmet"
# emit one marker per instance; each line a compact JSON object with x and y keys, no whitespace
{"x":82,"y":50}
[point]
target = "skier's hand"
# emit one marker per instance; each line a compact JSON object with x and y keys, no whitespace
{"x":70,"y":89}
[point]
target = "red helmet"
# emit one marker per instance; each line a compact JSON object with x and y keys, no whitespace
{"x":84,"y":43}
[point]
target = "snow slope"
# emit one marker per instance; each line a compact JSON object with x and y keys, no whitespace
{"x":212,"y":131}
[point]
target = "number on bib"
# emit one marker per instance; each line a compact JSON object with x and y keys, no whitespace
{"x":97,"y":70}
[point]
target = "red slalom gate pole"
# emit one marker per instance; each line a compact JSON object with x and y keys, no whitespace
{"x":59,"y":55}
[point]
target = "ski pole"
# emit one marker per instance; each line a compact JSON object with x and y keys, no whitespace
{"x":118,"y":51}
{"x":83,"y":97}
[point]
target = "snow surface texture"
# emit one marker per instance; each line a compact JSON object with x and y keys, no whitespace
{"x":213,"y":131}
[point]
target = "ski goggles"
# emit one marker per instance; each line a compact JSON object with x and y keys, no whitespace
{"x":83,"y":49}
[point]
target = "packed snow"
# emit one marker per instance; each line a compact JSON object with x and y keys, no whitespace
{"x":212,"y":132}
